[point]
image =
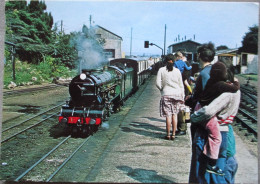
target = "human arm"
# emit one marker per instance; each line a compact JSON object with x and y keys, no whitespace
{"x":207,"y":112}
{"x":159,"y":80}
{"x":228,"y":87}
{"x":187,"y":67}
{"x":197,"y":89}
{"x":181,"y":84}
{"x":188,"y":86}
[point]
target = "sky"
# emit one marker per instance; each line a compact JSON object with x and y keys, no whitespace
{"x":223,"y":23}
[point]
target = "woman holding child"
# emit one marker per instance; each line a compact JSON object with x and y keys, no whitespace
{"x":213,"y":152}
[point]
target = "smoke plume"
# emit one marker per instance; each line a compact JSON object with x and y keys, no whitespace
{"x":90,"y":51}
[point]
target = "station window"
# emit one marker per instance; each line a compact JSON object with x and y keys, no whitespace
{"x":110,"y":53}
{"x":244,"y":59}
{"x":98,"y":35}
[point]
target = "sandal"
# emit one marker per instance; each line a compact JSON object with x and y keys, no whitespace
{"x":172,"y":137}
{"x":167,"y":137}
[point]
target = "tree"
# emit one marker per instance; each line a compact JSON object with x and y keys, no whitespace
{"x":29,"y":27}
{"x":222,"y":47}
{"x":63,"y":50}
{"x":250,"y":40}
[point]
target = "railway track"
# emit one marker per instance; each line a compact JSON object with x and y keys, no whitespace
{"x":37,"y":171}
{"x":246,"y":119}
{"x":29,"y":90}
{"x":20,"y":127}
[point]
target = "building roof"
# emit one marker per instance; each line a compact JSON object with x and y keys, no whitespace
{"x":109,"y":32}
{"x":175,"y":44}
{"x":227,"y":52}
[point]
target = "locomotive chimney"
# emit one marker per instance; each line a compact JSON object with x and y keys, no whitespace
{"x":105,"y":68}
{"x":86,"y":71}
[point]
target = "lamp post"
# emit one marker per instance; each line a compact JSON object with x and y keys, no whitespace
{"x":156,"y":46}
{"x":13,"y":56}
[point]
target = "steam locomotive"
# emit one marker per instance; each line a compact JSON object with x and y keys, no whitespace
{"x":95,"y":94}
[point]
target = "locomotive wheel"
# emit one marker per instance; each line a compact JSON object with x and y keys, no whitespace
{"x":96,"y":128}
{"x":85,"y":131}
{"x":107,"y":114}
{"x":116,"y":105}
{"x":68,"y":129}
{"x":74,"y":131}
{"x":116,"y":108}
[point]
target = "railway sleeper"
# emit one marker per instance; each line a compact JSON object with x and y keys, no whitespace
{"x":242,"y":128}
{"x":237,"y":124}
{"x":249,"y":134}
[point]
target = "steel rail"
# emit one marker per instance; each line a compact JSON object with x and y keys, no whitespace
{"x":252,"y":91}
{"x":250,"y":128}
{"x":32,"y":117}
{"x":62,"y":165}
{"x":247,"y":114}
{"x":29,"y":90}
{"x":249,"y":92}
{"x":28,"y":128}
{"x":39,"y":161}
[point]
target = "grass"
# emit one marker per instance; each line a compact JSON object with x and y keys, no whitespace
{"x":30,"y":74}
{"x":253,"y":77}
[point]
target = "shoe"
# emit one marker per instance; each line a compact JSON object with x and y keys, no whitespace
{"x":214,"y":170}
{"x":167,"y":137}
{"x":181,"y":133}
{"x":172,"y":137}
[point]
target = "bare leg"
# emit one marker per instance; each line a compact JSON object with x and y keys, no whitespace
{"x":174,"y":124}
{"x":168,"y":125}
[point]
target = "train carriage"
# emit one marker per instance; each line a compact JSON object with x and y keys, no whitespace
{"x":140,"y":66}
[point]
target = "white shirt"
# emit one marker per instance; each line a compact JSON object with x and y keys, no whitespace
{"x":170,"y":83}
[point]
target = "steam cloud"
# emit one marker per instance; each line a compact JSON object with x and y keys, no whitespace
{"x":90,"y":52}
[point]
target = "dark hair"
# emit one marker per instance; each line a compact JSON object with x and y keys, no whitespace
{"x":169,"y":66}
{"x":230,"y":69}
{"x":218,"y":72}
{"x":169,"y":57}
{"x":206,"y":52}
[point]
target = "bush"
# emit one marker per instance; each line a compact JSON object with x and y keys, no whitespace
{"x":253,"y":77}
{"x":28,"y":74}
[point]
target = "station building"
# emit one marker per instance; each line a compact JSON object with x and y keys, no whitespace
{"x":249,"y":63}
{"x":113,"y":42}
{"x":245,"y":63}
{"x":189,"y":46}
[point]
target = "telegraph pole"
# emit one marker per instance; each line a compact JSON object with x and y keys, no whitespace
{"x":90,"y":19}
{"x":131,"y":42}
{"x":61,"y":25}
{"x":164,"y":39}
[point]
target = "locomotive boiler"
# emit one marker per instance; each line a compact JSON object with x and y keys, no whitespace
{"x":95,"y":94}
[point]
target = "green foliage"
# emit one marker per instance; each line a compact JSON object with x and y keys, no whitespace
{"x":28,"y":74}
{"x":63,"y":50}
{"x":250,"y":41}
{"x":253,"y":77}
{"x":222,"y":47}
{"x":27,"y":26}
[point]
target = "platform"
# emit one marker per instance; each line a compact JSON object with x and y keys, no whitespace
{"x":138,"y":153}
